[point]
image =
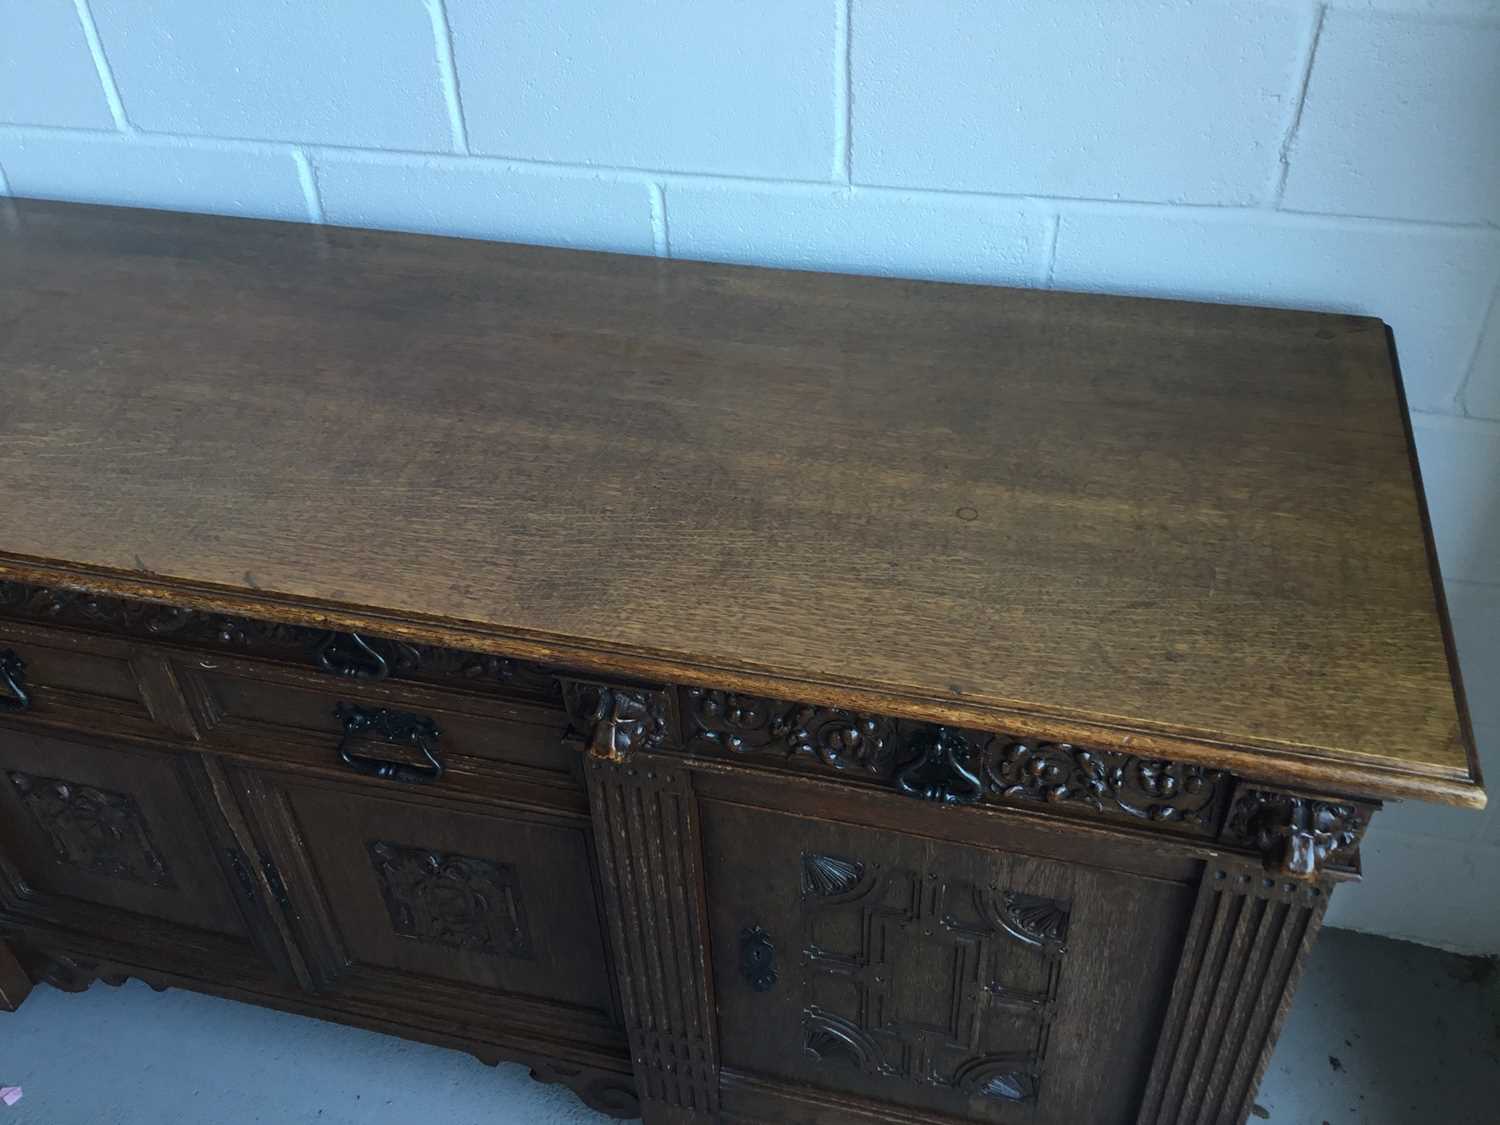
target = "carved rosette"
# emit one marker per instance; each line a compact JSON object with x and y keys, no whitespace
{"x":1298,"y":836}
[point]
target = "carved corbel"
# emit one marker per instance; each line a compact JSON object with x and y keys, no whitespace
{"x":617,"y":721}
{"x":1299,"y":836}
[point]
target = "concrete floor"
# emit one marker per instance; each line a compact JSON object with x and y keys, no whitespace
{"x":1382,"y":1033}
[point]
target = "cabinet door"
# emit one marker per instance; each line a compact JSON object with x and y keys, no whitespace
{"x":125,"y":844}
{"x":429,"y":911}
{"x":961,"y":980}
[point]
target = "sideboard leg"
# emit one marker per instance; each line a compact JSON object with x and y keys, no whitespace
{"x":1249,"y":937}
{"x":15,"y":985}
{"x":650,"y":860}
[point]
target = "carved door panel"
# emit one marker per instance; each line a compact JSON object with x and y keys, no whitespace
{"x":438,"y":912}
{"x":127,"y":842}
{"x":986,"y":985}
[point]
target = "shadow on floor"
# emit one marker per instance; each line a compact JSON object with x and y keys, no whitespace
{"x":1387,"y":1033}
{"x":1382,"y":1033}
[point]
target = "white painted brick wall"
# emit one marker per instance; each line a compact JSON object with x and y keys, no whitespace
{"x":1342,"y":155}
{"x":1390,"y":101}
{"x":362,"y":73}
{"x":486,"y":200}
{"x":923,"y":234}
{"x":1176,"y":101}
{"x":744,"y":87}
{"x":1264,"y":257}
{"x":46,"y":73}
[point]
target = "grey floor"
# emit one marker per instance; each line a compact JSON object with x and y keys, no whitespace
{"x":1382,"y":1033}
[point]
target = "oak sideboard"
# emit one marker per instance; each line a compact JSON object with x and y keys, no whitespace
{"x":740,"y":695}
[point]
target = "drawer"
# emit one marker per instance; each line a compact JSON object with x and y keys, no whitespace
{"x":101,"y":684}
{"x":387,"y":730}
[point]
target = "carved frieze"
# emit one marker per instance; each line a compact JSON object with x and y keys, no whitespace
{"x":352,"y":655}
{"x":747,"y":724}
{"x":950,"y":766}
{"x":1144,"y":788}
{"x":77,"y":607}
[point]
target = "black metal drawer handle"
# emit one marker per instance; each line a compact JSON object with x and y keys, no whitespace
{"x":397,"y":728}
{"x":350,"y":655}
{"x":13,"y":681}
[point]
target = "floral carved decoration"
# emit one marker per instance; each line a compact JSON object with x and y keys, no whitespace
{"x":952,"y":766}
{"x":1144,"y":788}
{"x":97,"y":831}
{"x":745,"y":724}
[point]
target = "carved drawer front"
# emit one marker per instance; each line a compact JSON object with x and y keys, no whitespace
{"x":64,"y":678}
{"x":118,"y":842}
{"x":985,"y":985}
{"x":485,"y":919}
{"x":425,"y":734}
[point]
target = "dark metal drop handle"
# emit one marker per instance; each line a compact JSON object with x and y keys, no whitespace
{"x":13,"y":681}
{"x":349,"y":654}
{"x":395,"y":728}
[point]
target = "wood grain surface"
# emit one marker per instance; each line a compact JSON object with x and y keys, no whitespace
{"x":1172,"y":527}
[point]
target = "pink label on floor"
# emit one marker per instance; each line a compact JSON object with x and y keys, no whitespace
{"x":10,"y":1095}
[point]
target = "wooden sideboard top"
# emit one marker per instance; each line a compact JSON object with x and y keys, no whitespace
{"x":1182,"y":529}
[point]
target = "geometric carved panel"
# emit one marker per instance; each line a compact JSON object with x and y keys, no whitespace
{"x":936,"y":981}
{"x":454,"y":900}
{"x":95,"y":830}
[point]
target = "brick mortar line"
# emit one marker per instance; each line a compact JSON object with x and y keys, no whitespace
{"x":843,"y":92}
{"x":661,"y":233}
{"x":1054,"y":232}
{"x":667,"y":177}
{"x":1490,"y":323}
{"x":102,"y":68}
{"x":447,"y":62}
{"x":307,"y":179}
{"x":1284,"y":158}
{"x":1471,"y":422}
